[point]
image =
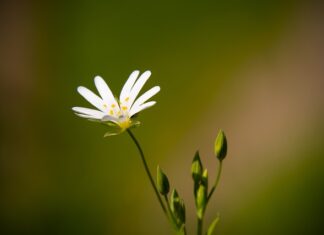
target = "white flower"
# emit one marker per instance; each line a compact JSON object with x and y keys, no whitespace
{"x":113,"y":112}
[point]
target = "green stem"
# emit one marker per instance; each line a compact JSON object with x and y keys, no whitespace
{"x":216,"y":181}
{"x":199,"y":226}
{"x":147,"y":171}
{"x":185,"y":231}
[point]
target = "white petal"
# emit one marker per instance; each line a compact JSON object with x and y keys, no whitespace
{"x":138,"y":86}
{"x":141,"y":107}
{"x":107,"y":118}
{"x":104,"y":91}
{"x":146,"y":96}
{"x":91,"y":98}
{"x":90,"y":112}
{"x":128,"y":85}
{"x":86,"y":116}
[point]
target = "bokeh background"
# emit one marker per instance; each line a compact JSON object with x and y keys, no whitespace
{"x":253,"y":68}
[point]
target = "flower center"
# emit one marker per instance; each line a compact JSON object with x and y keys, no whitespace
{"x":124,"y":122}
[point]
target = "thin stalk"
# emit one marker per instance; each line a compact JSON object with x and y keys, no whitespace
{"x":199,"y":226}
{"x":216,"y":181}
{"x":148,"y":171}
{"x":185,"y":231}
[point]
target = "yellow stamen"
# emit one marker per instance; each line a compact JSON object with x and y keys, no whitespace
{"x":105,"y":106}
{"x":127,"y":99}
{"x":113,"y":105}
{"x":124,"y":107}
{"x":111,"y":112}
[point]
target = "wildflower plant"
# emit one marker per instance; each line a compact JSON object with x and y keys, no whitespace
{"x":119,"y":115}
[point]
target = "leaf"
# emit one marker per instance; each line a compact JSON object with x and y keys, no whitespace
{"x":212,"y":226}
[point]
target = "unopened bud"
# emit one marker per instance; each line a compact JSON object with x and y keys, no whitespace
{"x":162,"y":182}
{"x":221,"y":145}
{"x":178,"y":208}
{"x":196,"y":168}
{"x":201,"y":200}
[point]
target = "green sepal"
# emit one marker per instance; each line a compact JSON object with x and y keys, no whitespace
{"x":212,"y":226}
{"x":115,"y":129}
{"x":182,"y":211}
{"x":204,"y":179}
{"x":196,"y":168}
{"x":201,"y":200}
{"x":220,"y":146}
{"x":162,"y":182}
{"x":135,"y":124}
{"x":196,"y":171}
{"x":107,"y":134}
{"x":174,"y":200}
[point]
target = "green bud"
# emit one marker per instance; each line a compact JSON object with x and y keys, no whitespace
{"x":221,"y":145}
{"x":201,"y":200}
{"x":196,"y":167}
{"x":162,"y":182}
{"x":178,"y":208}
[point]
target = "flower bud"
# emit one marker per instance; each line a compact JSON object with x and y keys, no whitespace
{"x":162,"y":182}
{"x":178,"y":208}
{"x":221,"y":145}
{"x":201,"y":200}
{"x":196,"y":167}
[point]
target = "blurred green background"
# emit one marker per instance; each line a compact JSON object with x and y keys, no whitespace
{"x":253,"y":68}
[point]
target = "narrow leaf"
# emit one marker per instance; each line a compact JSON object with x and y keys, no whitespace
{"x":212,"y":226}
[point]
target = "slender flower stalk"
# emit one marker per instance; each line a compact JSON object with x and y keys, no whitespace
{"x":216,"y":181}
{"x":147,"y":170}
{"x":199,"y":225}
